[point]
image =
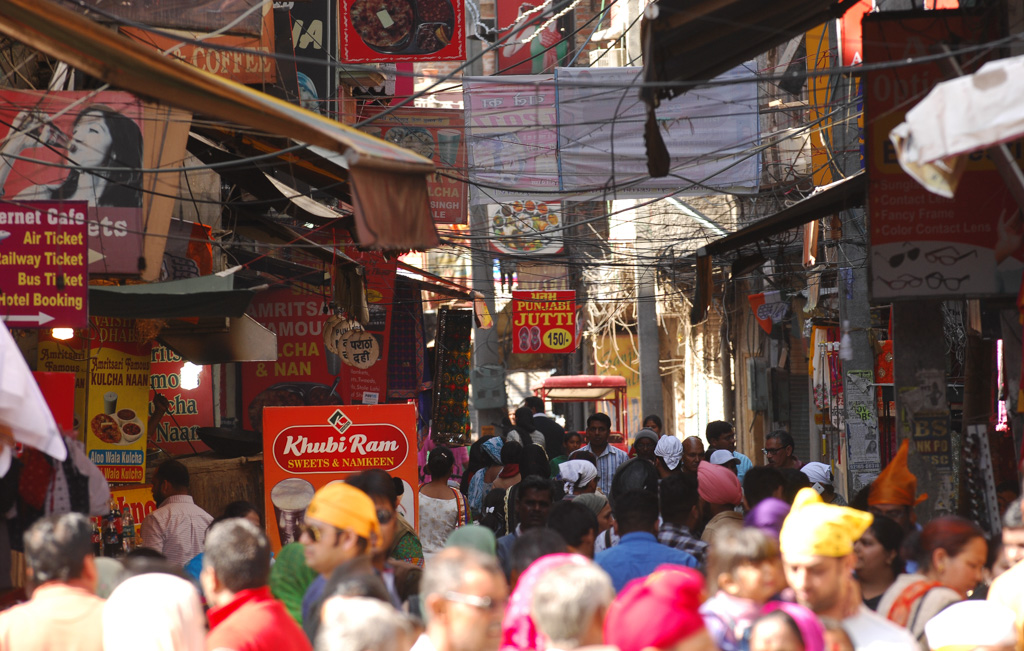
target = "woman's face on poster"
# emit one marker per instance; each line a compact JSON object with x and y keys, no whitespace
{"x":90,"y":141}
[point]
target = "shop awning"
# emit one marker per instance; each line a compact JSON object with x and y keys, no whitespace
{"x":389,"y":184}
{"x":571,"y":388}
{"x":828,"y":200}
{"x":229,"y":340}
{"x":692,"y":40}
{"x":205,"y":296}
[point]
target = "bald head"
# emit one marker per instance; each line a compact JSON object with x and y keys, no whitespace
{"x":693,"y":453}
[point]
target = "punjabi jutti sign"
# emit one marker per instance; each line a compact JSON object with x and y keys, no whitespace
{"x":306,"y":448}
{"x":543,"y":322}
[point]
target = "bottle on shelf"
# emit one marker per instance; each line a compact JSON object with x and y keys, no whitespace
{"x":127,"y":529}
{"x":112,"y":545}
{"x":97,"y":538}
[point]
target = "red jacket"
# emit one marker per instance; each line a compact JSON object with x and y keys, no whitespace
{"x":254,"y":621}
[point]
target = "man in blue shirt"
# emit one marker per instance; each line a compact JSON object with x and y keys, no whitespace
{"x":638,"y":553}
{"x":609,"y":457}
{"x":722,"y":436}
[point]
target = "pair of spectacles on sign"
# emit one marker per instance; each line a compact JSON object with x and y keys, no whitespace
{"x":935,"y":280}
{"x":947,"y":255}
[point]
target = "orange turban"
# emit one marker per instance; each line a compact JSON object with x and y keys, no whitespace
{"x":896,"y":484}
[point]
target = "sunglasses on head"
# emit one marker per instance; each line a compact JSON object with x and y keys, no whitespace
{"x":385,"y":516}
{"x":311,"y":531}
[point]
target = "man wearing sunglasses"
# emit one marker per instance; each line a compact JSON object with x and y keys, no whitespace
{"x":778,"y":451}
{"x":340,"y":524}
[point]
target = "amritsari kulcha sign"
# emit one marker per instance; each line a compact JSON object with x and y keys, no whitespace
{"x":543,"y":321}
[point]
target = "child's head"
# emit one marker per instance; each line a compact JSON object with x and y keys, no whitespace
{"x":746,"y":563}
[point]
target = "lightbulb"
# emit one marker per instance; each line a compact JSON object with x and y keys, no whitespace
{"x":62,"y":334}
{"x":190,"y":376}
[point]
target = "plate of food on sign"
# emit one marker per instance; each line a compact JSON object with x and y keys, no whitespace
{"x":121,"y":428}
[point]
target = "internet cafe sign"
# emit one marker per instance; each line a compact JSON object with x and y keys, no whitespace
{"x":309,"y":447}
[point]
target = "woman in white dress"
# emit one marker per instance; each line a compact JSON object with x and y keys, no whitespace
{"x":442,"y":507}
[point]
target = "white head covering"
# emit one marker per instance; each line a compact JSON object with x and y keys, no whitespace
{"x":721,"y":457}
{"x":670,"y":450}
{"x":969,"y":624}
{"x":576,"y":473}
{"x":817,"y":472}
{"x":161,"y":609}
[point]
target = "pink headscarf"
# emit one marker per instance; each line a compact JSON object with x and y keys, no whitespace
{"x":518,"y":632}
{"x":718,"y":484}
{"x":811,"y":630}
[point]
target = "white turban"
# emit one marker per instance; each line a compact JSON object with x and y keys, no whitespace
{"x":817,"y":472}
{"x":670,"y":450}
{"x":576,"y":474}
{"x":970,"y":624}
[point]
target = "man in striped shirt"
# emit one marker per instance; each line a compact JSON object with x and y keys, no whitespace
{"x":609,"y":457}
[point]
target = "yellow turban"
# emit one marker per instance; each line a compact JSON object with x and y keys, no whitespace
{"x":345,"y":507}
{"x":896,"y":484}
{"x":814,"y":528}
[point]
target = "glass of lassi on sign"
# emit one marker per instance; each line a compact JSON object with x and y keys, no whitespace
{"x":290,"y":498}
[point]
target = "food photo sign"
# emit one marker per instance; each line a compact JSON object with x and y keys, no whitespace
{"x":117,"y":407}
{"x":379,"y":31}
{"x":306,"y":448}
{"x":530,"y":227}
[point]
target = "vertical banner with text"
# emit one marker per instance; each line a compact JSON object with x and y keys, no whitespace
{"x":543,"y":322}
{"x":118,"y":403}
{"x":306,"y":448}
{"x":43,"y":264}
{"x":190,"y":408}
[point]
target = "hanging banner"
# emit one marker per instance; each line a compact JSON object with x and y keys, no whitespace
{"x":43,"y":265}
{"x":532,"y":31}
{"x":435,"y":134}
{"x":711,"y":134}
{"x":543,"y":322}
{"x":512,"y":138}
{"x":526,"y":227}
{"x":306,"y":448}
{"x":364,"y":352}
{"x":300,"y":375}
{"x":67,"y":357}
{"x":377,"y":31}
{"x":60,"y":139}
{"x":924,"y":245}
{"x":197,"y":15}
{"x":245,"y":59}
{"x":190,"y":408}
{"x":118,"y":401}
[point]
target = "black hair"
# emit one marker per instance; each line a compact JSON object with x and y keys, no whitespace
{"x":56,"y":547}
{"x":635,"y":474}
{"x":524,"y":420}
{"x":677,"y":495}
{"x":635,"y":510}
{"x":375,"y":483}
{"x":238,"y":509}
{"x":535,"y":403}
{"x":478,"y":459}
{"x":173,"y":471}
{"x":716,"y":429}
{"x":511,"y":453}
{"x":440,"y":462}
{"x":584,"y":455}
{"x":534,"y":543}
{"x":889,"y":535}
{"x":783,"y":617}
{"x":761,"y":482}
{"x":598,"y":416}
{"x":795,"y":480}
{"x":124,"y":185}
{"x":239,"y":554}
{"x":534,"y":483}
{"x":535,"y":462}
{"x":578,"y":435}
{"x":572,"y":521}
{"x":652,"y":418}
{"x":783,"y":437}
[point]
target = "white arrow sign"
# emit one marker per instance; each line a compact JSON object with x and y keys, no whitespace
{"x":95,"y":256}
{"x":37,"y":319}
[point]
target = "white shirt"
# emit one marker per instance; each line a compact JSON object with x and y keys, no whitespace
{"x":423,"y":643}
{"x":869,"y":631}
{"x":177,"y":529}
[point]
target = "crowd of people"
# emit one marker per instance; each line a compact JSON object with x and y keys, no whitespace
{"x":547,"y":541}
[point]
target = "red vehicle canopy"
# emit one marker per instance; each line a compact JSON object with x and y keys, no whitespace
{"x":589,"y":388}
